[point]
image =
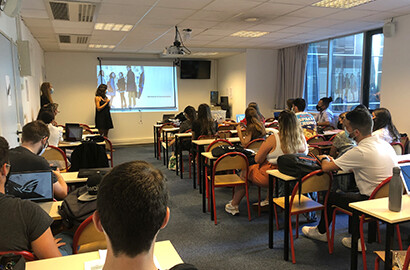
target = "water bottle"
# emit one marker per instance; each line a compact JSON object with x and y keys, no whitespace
{"x":395,"y":191}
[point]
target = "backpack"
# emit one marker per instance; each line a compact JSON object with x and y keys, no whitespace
{"x":297,"y":165}
{"x":88,"y":155}
{"x":73,"y":212}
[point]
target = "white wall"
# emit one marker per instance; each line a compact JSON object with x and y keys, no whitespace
{"x":260,"y":79}
{"x":232,"y":81}
{"x":395,"y":94}
{"x":73,"y":76}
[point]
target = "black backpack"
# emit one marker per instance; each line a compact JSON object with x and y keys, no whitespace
{"x":73,"y":212}
{"x":297,"y":165}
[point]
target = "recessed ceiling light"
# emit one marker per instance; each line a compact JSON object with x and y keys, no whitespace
{"x":127,"y":27}
{"x":91,"y":46}
{"x":111,"y":46}
{"x":108,"y":26}
{"x":99,"y":26}
{"x":252,"y":34}
{"x":98,"y":46}
{"x":117,"y":27}
{"x":252,"y":19}
{"x":340,"y":3}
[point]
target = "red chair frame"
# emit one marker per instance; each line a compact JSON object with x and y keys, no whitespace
{"x":316,"y":137}
{"x":28,"y":256}
{"x":63,"y":154}
{"x":401,"y":146}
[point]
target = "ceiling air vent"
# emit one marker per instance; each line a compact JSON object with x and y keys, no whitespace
{"x":59,"y":10}
{"x":86,"y":12}
{"x":65,"y":39}
{"x":82,"y":39}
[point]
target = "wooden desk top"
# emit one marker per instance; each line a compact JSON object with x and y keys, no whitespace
{"x":164,"y":252}
{"x":209,"y":141}
{"x":403,"y":157}
{"x":170,"y":129}
{"x":280,"y":175}
{"x":52,"y":209}
{"x":379,"y":208}
{"x":184,"y":135}
{"x":72,"y":177}
{"x":331,"y":132}
{"x":208,"y":155}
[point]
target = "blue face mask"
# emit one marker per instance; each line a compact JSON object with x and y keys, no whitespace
{"x":52,"y":91}
{"x":348,"y":135}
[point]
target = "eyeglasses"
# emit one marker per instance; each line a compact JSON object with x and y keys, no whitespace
{"x":8,"y":165}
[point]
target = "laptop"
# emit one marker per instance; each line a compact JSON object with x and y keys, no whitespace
{"x":166,"y":117}
{"x":405,"y":176}
{"x":73,"y":132}
{"x":35,"y":186}
{"x":239,"y":117}
{"x":85,"y":173}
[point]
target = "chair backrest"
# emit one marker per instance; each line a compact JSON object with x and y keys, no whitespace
{"x":55,"y":154}
{"x":217,"y":143}
{"x":226,"y":127}
{"x":315,"y":181}
{"x":206,"y":137}
{"x":333,"y":137}
{"x":255,"y":144}
{"x":271,"y":119}
{"x":314,"y":150}
{"x":28,"y":256}
{"x":85,"y":126}
{"x":407,"y":259}
{"x":231,"y":161}
{"x":223,"y":134}
{"x":87,"y":238}
{"x":87,"y":131}
{"x":405,"y":142}
{"x":316,"y":138}
{"x":382,"y":190}
{"x":273,"y":124}
{"x":398,"y":147}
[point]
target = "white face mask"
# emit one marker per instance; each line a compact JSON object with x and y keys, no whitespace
{"x":52,"y":91}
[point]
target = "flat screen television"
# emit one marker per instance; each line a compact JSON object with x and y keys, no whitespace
{"x":195,"y":69}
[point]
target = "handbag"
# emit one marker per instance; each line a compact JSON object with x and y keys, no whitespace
{"x":12,"y":261}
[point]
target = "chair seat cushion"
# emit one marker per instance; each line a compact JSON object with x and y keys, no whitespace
{"x":306,"y":204}
{"x":227,"y":179}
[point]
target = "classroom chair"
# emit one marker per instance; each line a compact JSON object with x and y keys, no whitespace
{"x":299,"y":203}
{"x":229,"y":163}
{"x":381,"y":191}
{"x":255,"y":144}
{"x":160,"y":139}
{"x":381,"y":256}
{"x":398,"y":148}
{"x":108,"y":147}
{"x":28,"y":256}
{"x":57,"y":157}
{"x":87,"y":238}
{"x":316,"y":138}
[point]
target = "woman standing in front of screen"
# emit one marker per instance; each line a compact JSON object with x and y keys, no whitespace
{"x":103,"y":121}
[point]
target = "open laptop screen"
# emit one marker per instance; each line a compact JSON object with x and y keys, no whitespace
{"x":73,"y":132}
{"x":239,"y":117}
{"x":405,"y":175}
{"x":34,"y":186}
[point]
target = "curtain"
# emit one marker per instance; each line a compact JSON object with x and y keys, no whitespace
{"x":291,"y":74}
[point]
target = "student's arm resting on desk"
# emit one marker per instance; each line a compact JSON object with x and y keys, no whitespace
{"x":328,"y":164}
{"x":59,"y":187}
{"x":45,"y":247}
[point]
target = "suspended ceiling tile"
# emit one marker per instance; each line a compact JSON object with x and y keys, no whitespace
{"x":266,"y":27}
{"x":184,"y":4}
{"x":288,"y":20}
{"x":160,"y":13}
{"x":296,"y":29}
{"x":73,"y":27}
{"x":350,"y":14}
{"x":314,"y":12}
{"x":231,"y":5}
{"x":194,"y":24}
{"x":271,"y":10}
{"x":111,"y":13}
{"x":217,"y":16}
{"x":384,"y":5}
{"x":322,"y":22}
{"x":205,"y":37}
{"x":34,"y":13}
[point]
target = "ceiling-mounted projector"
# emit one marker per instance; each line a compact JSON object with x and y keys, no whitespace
{"x":178,"y":47}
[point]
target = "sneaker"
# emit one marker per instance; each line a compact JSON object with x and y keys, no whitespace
{"x":347,"y":242}
{"x":263,"y":203}
{"x":313,"y":233}
{"x":229,"y":208}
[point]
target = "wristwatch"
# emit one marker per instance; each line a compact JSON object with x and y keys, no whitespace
{"x":323,"y":158}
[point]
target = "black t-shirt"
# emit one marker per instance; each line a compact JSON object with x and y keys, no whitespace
{"x":21,"y":222}
{"x":23,"y":160}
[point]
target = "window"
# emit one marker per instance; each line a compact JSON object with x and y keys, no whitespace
{"x":334,"y":68}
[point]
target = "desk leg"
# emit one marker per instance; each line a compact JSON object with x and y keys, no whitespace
{"x":178,"y":154}
{"x":194,"y":165}
{"x":355,"y":238}
{"x":201,"y":173}
{"x":270,"y":194}
{"x":155,"y":142}
{"x":203,"y":184}
{"x":387,"y":250}
{"x":181,"y":160}
{"x":286,"y":230}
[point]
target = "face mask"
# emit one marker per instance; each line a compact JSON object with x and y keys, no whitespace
{"x":43,"y":149}
{"x":319,"y":109}
{"x":52,"y":91}
{"x":349,"y":135}
{"x":339,"y":125}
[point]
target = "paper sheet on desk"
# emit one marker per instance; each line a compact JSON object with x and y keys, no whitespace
{"x":98,"y":264}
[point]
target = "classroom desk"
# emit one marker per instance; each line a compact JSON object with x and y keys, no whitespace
{"x":198,"y":147}
{"x":72,"y":178}
{"x":156,"y":128}
{"x":66,"y":144}
{"x":179,"y":137}
{"x":379,"y":209}
{"x":211,"y":159}
{"x":286,"y":179}
{"x":165,"y":132}
{"x":51,"y":208}
{"x":164,"y":252}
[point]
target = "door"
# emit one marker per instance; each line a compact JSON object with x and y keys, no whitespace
{"x":8,"y":108}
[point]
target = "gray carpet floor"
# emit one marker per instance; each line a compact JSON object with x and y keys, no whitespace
{"x":236,"y":243}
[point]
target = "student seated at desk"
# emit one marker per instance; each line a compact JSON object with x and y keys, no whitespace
{"x":342,"y":142}
{"x":56,"y":133}
{"x":255,"y":129}
{"x":27,"y":157}
{"x":204,"y":124}
{"x":288,"y":140}
{"x":131,"y":209}
{"x":190,"y":114}
{"x":383,"y":126}
{"x":372,"y":161}
{"x":24,"y":225}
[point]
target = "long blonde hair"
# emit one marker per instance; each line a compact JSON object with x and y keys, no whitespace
{"x":290,"y":133}
{"x":253,"y":121}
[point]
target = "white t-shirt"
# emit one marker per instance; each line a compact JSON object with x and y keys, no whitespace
{"x":56,"y":135}
{"x":272,"y":157}
{"x":383,"y":134}
{"x":325,"y":116}
{"x":372,"y":161}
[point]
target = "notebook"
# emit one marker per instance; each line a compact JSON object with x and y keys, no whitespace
{"x":35,"y":186}
{"x":405,"y":176}
{"x":239,"y":117}
{"x":73,"y":132}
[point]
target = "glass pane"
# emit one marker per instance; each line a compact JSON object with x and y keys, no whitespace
{"x":345,"y":66}
{"x":376,"y":71}
{"x":316,"y":74}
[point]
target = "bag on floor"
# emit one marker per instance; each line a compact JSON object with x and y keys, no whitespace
{"x":172,"y":164}
{"x":297,"y":165}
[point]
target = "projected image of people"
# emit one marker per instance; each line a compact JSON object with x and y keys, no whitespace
{"x":135,"y":88}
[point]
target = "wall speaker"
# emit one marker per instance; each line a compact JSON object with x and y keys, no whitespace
{"x":12,"y":8}
{"x":23,"y":48}
{"x":389,"y":29}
